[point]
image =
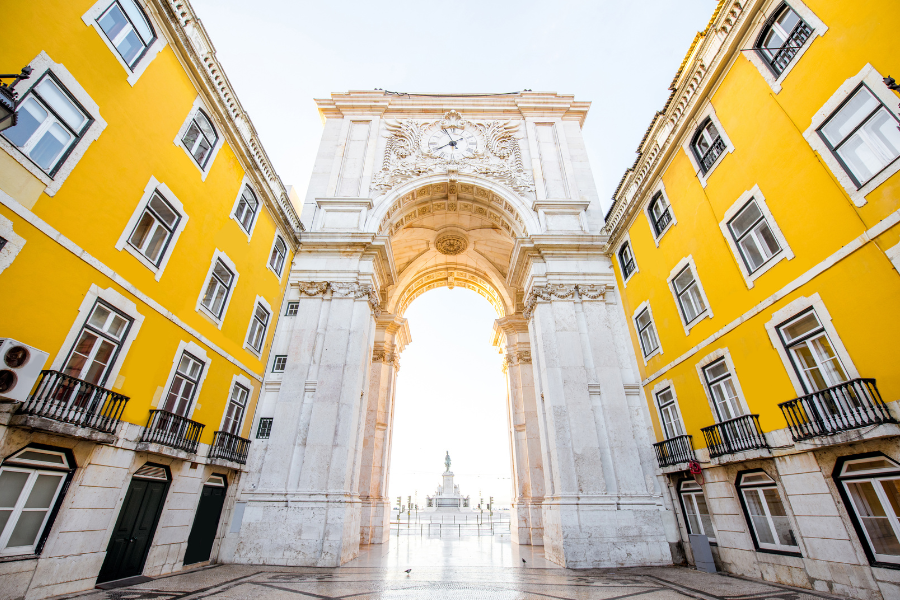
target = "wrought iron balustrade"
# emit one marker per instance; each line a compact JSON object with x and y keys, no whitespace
{"x":784,"y":55}
{"x":662,"y":221}
{"x":172,"y":430}
{"x":264,"y":429}
{"x":734,"y":435}
{"x":59,"y":397}
{"x":849,"y":405}
{"x":675,"y":450}
{"x":628,"y":268}
{"x":709,"y":159}
{"x":229,"y":447}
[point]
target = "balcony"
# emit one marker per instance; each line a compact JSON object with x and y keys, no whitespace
{"x":229,"y":447}
{"x":711,"y":155}
{"x":174,"y":431}
{"x":64,"y":399}
{"x":783,"y":57}
{"x":849,"y":405}
{"x":662,"y":221}
{"x":734,"y":435}
{"x":675,"y":451}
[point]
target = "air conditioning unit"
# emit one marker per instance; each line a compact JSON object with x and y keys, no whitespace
{"x":20,"y":366}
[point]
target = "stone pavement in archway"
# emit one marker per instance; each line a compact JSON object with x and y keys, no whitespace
{"x":449,"y":569}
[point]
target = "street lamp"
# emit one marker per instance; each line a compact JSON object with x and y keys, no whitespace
{"x":8,"y":97}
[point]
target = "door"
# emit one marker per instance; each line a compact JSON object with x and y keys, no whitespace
{"x":134,"y":530}
{"x":206,"y":522}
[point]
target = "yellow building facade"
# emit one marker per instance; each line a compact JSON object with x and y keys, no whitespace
{"x":145,"y":240}
{"x":757,"y":247}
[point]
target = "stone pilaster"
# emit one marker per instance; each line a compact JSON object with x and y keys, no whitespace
{"x":391,"y":337}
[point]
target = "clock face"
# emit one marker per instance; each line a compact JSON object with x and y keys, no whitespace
{"x":453,"y":143}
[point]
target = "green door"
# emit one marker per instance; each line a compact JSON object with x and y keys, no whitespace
{"x":206,"y":522}
{"x":131,"y":539}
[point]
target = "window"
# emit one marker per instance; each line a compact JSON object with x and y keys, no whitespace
{"x":863,"y":136}
{"x":646,"y":332}
{"x":2,"y":242}
{"x":217,"y":289}
{"x":200,"y":138}
{"x":871,"y":489}
{"x":264,"y":429}
{"x":129,"y":30}
{"x":234,"y":414}
{"x":696,"y":512}
{"x":626,"y":260}
{"x":50,"y":123}
{"x":184,"y":385}
{"x":97,"y":345}
{"x":258,"y":324}
{"x":669,"y":413}
{"x":722,"y":389}
{"x":245,"y":211}
{"x":707,"y":145}
{"x":765,"y":512}
{"x":292,"y":308}
{"x":154,"y":229}
{"x":781,"y":38}
{"x":279,"y":253}
{"x":811,"y":352}
{"x":279,"y":364}
{"x":688,"y":293}
{"x":753,"y":236}
{"x":660,"y":215}
{"x":30,"y":485}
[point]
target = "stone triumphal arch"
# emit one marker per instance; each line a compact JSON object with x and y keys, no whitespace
{"x":488,"y":192}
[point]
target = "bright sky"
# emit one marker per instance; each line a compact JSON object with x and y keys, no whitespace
{"x":621,"y":56}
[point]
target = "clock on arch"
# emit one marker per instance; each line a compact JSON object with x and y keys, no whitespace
{"x":452,"y":143}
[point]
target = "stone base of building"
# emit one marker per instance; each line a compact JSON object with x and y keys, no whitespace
{"x":605,"y":531}
{"x":526,"y":524}
{"x":375,"y":521}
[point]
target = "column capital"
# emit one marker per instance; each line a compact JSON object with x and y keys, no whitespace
{"x":564,"y":291}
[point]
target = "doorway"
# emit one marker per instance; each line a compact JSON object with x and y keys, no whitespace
{"x":206,"y":520}
{"x":136,"y":526}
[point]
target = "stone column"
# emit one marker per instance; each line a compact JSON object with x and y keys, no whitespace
{"x":511,"y":335}
{"x":391,"y":337}
{"x":603,"y":506}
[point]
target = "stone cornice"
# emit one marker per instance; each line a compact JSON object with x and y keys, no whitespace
{"x":563,"y":291}
{"x":340,"y":289}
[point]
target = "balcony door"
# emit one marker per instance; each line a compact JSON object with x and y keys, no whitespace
{"x":97,"y":345}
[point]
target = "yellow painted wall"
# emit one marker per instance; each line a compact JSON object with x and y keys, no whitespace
{"x":816,"y":216}
{"x":93,"y":207}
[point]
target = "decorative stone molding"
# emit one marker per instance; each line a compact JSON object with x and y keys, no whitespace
{"x":406,"y":156}
{"x":387,"y":357}
{"x":521,"y":357}
{"x":342,"y":289}
{"x":563,"y":291}
{"x":451,"y":244}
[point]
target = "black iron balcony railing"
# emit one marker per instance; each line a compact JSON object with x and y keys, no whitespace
{"x":734,"y":435}
{"x":662,"y":221}
{"x":709,"y":159}
{"x":675,"y":450}
{"x":63,"y":398}
{"x":849,"y":405}
{"x":172,"y":430}
{"x":782,"y":57}
{"x":264,"y":429}
{"x":229,"y":447}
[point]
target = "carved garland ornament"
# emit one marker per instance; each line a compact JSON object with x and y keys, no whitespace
{"x":342,"y":289}
{"x":406,"y":155}
{"x":562,"y":291}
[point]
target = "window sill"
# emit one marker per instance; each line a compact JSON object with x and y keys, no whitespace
{"x":249,"y":233}
{"x":19,"y":557}
{"x":206,"y":314}
{"x":795,"y":553}
{"x":157,"y":271}
{"x":656,"y":352}
{"x":275,"y":273}
{"x":707,"y":314}
{"x":659,"y":237}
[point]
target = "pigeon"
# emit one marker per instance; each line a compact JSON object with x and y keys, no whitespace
{"x":407,"y":572}
{"x":523,"y":561}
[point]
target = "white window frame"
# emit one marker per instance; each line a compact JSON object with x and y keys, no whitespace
{"x":710,"y":112}
{"x":742,"y":488}
{"x":41,"y":64}
{"x":117,"y":301}
{"x":287,"y":251}
{"x":793,"y":309}
{"x":892,"y":253}
{"x":661,"y":386}
{"x":287,"y":309}
{"x":872,"y":475}
{"x":217,"y":255}
{"x":260,"y":301}
{"x":626,"y":240}
{"x":691,"y":493}
{"x":197,"y":106}
{"x":819,"y":28}
{"x":660,"y":188}
{"x":134,"y":73}
{"x":784,"y":254}
{"x":712,"y":357}
{"x":645,"y":305}
{"x":873,"y":80}
{"x":275,"y":358}
{"x":14,"y":242}
{"x":197,"y":352}
{"x":245,"y":182}
{"x":243,"y":381}
{"x":33,"y":473}
{"x":153,"y":186}
{"x":688,"y":261}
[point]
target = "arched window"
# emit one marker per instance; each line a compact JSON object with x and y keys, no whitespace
{"x":781,"y":38}
{"x":626,"y":260}
{"x":707,"y":145}
{"x":128,"y":29}
{"x":200,"y":138}
{"x":660,"y":214}
{"x":870,"y":487}
{"x":279,"y":252}
{"x":245,"y":211}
